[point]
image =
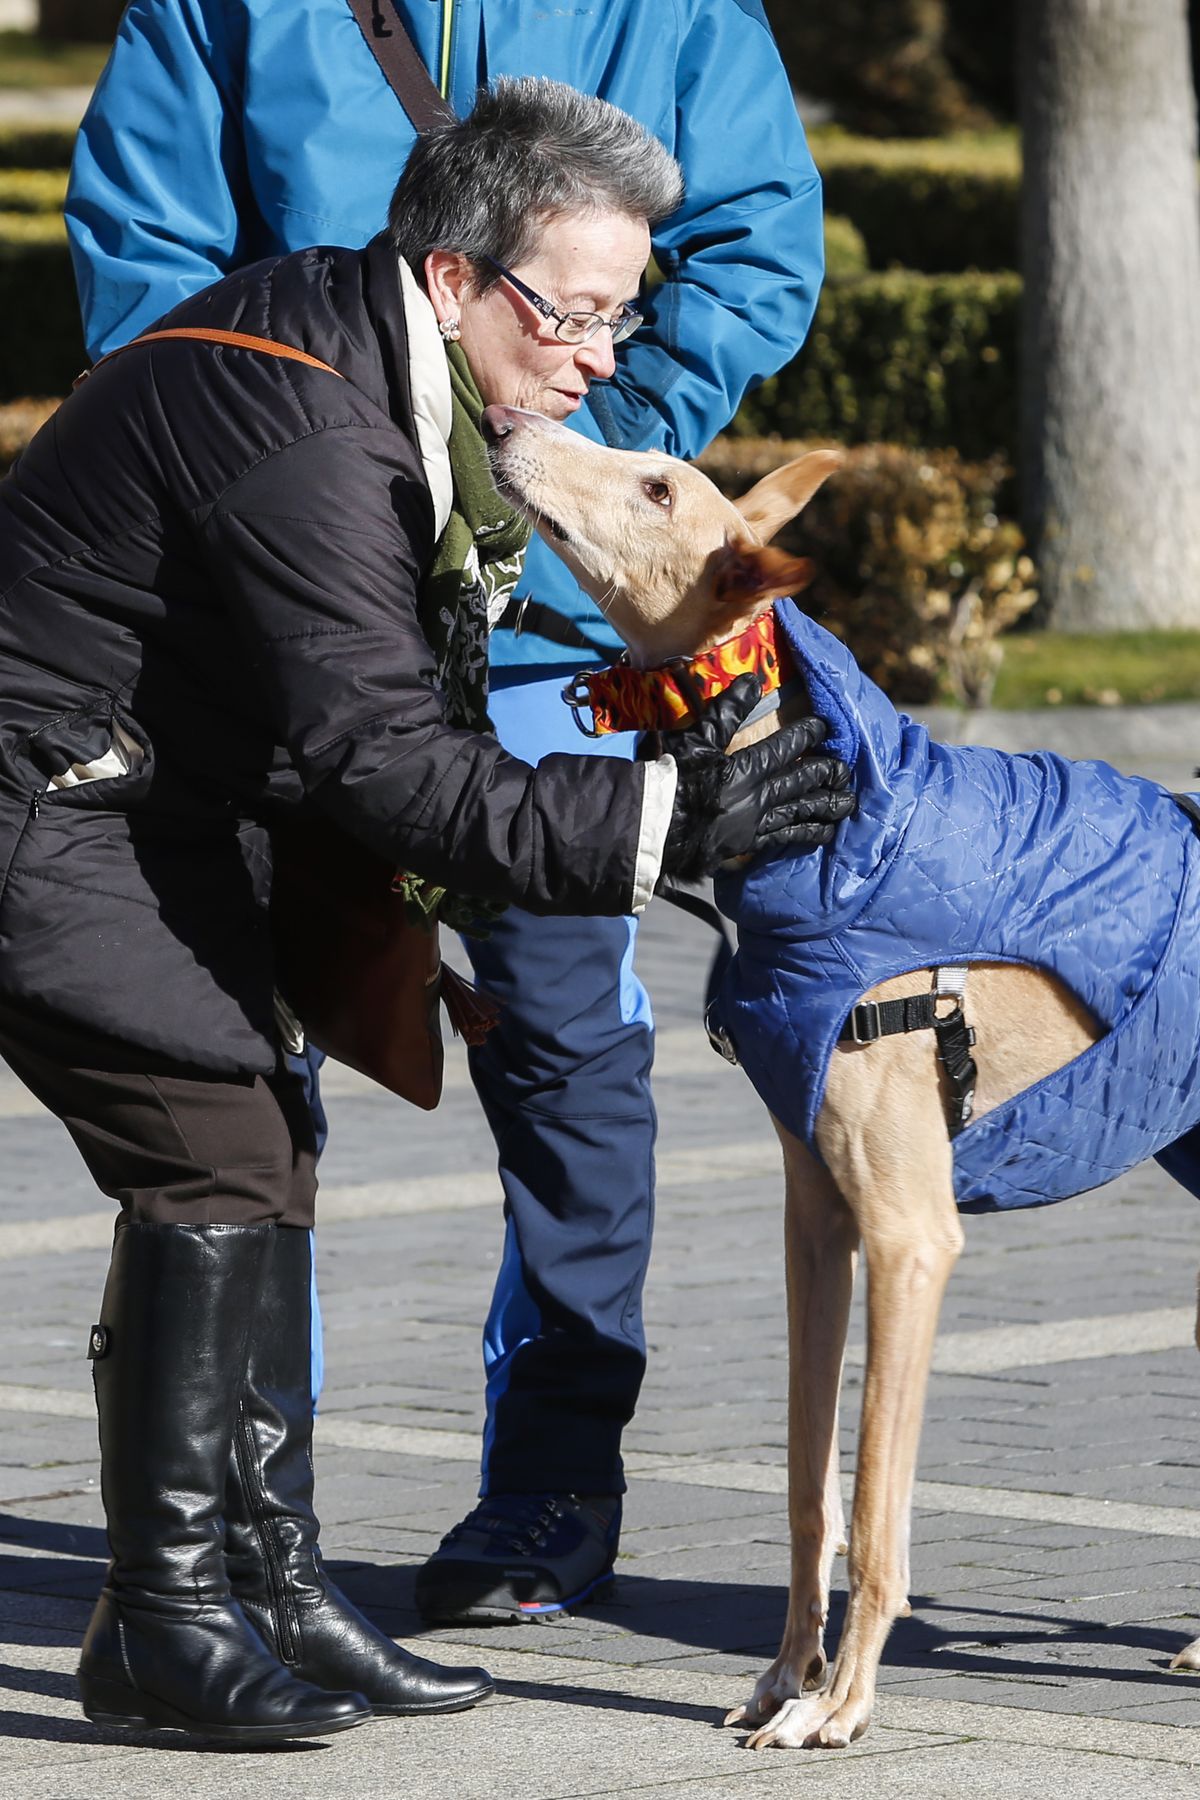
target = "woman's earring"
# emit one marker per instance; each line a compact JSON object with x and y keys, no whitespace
{"x":450,"y":330}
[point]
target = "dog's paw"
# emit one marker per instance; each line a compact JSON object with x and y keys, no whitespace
{"x":1188,"y":1660}
{"x":778,"y":1688}
{"x":755,"y":1711}
{"x":812,"y":1722}
{"x":772,"y":1690}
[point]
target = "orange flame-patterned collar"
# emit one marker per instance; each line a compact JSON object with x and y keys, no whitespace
{"x":622,"y":698}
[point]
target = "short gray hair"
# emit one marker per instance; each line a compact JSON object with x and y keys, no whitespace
{"x":531,"y":150}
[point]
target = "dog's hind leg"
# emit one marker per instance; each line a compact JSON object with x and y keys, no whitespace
{"x":883,"y":1135}
{"x":821,"y":1239}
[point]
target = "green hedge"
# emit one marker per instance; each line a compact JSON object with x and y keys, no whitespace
{"x":905,"y":359}
{"x":845,"y":249}
{"x":41,"y":346}
{"x":32,"y":190}
{"x":938,"y":205}
{"x":36,"y":146}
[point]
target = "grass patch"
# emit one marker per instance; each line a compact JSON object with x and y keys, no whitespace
{"x":1130,"y":668}
{"x":27,"y":61}
{"x":986,"y":152}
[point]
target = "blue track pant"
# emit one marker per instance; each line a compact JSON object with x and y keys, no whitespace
{"x":565,"y":1083}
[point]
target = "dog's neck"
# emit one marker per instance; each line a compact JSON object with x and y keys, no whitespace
{"x":662,"y":693}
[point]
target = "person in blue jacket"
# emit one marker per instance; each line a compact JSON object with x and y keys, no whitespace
{"x":226,"y":130}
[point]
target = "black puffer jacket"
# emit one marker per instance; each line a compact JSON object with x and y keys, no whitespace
{"x":219,"y":550}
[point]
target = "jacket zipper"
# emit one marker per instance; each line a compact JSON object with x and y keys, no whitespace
{"x":287,"y":1625}
{"x":447,"y":32}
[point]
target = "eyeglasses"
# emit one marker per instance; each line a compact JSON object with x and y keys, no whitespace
{"x":573,"y":327}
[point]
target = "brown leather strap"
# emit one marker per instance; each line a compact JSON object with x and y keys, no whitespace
{"x":237,"y":340}
{"x":397,"y":55}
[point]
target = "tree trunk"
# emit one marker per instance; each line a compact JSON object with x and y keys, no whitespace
{"x":1111,"y":366}
{"x":79,"y":21}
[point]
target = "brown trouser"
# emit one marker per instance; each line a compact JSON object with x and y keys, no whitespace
{"x":172,"y":1144}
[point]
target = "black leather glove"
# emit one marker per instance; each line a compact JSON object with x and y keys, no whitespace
{"x":771,"y":796}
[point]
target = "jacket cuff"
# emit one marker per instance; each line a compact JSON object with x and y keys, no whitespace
{"x":658,"y":803}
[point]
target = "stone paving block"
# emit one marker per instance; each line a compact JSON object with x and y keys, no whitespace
{"x":1168,"y":1608}
{"x":1174,"y":1565}
{"x":714,"y":1536}
{"x":1035,"y":1684}
{"x":742,"y":1560}
{"x":1183,"y":1713}
{"x":987,"y":1772}
{"x":669,"y":1503}
{"x":931,"y":1529}
{"x":46,"y":1613}
{"x":1068,"y":1538}
{"x":1014,"y":1605}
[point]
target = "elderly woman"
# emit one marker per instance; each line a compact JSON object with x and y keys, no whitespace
{"x":237,"y":583}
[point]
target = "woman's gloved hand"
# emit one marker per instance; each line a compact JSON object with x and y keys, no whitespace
{"x":773,"y":795}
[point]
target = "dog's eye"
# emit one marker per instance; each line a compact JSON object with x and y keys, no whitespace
{"x":659,"y":492}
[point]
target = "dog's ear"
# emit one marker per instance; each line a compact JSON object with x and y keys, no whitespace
{"x":778,"y":497}
{"x":744,"y":573}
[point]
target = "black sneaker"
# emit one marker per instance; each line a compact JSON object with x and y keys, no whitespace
{"x":521,"y":1556}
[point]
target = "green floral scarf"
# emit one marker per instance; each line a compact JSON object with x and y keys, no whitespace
{"x":477,"y":561}
{"x":475,"y":567}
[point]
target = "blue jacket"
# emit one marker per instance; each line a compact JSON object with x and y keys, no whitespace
{"x":227,"y":130}
{"x":965,"y":854}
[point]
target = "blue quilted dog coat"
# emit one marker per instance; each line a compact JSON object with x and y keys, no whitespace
{"x":963,"y":854}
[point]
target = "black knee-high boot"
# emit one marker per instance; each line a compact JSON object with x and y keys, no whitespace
{"x":271,"y":1528}
{"x":167,"y":1645}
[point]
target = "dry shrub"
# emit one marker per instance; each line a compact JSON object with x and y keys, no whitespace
{"x":19,"y":420}
{"x":883,"y":63}
{"x":918,"y":572}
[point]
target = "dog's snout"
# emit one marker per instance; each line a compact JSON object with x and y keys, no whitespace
{"x":499,"y":422}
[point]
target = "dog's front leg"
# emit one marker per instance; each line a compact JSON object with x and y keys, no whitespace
{"x":883,"y":1136}
{"x":821,"y":1238}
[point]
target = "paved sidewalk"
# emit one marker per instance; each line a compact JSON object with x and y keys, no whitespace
{"x":1056,"y":1506}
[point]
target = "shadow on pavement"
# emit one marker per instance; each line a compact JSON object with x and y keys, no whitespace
{"x":747,"y":1619}
{"x":740,"y":1619}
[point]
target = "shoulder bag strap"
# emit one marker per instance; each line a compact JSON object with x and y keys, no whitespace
{"x":396,"y":54}
{"x":237,"y":340}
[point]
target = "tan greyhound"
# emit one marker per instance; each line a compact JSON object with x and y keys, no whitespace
{"x":677,"y":568}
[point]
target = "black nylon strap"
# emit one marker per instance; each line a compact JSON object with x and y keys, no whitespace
{"x":396,"y":54}
{"x":872,"y":1019}
{"x":955,"y":1041}
{"x":545,"y":622}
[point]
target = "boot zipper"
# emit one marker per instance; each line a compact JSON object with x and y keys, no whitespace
{"x":279,"y":1599}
